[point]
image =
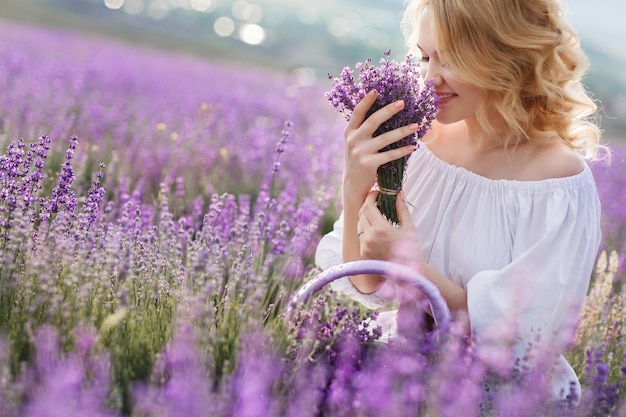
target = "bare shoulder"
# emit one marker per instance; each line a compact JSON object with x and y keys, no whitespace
{"x":554,"y":160}
{"x":525,"y":162}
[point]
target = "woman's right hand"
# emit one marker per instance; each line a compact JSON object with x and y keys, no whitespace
{"x":362,"y":159}
{"x":362,"y":156}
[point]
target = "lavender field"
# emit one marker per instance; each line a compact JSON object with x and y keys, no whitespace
{"x":157,"y":212}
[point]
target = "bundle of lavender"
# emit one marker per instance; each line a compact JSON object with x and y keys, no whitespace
{"x":393,"y":81}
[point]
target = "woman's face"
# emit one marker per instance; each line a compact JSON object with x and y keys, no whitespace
{"x":457,"y":100}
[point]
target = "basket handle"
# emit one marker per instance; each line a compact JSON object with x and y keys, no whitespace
{"x":400,"y":274}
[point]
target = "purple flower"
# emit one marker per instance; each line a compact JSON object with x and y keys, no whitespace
{"x":62,"y":194}
{"x":72,"y":384}
{"x":185,"y":390}
{"x":393,"y":81}
{"x":257,"y":372}
{"x":91,"y":204}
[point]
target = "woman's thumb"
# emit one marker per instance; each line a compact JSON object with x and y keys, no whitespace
{"x":402,"y":209}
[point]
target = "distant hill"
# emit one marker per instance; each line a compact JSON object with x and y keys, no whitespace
{"x":299,"y":38}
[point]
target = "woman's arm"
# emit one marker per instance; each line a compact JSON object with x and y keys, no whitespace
{"x":362,"y":159}
{"x":382,"y":240}
{"x":455,"y":295}
{"x":351,"y":248}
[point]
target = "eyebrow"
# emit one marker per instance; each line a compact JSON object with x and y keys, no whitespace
{"x":421,"y":49}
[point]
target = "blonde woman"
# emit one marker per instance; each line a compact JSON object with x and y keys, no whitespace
{"x":498,"y":195}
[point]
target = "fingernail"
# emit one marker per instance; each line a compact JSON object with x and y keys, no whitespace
{"x":373,"y":93}
{"x":399,"y":104}
{"x":413,"y":126}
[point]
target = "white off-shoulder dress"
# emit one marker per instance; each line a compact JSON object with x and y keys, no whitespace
{"x":523,"y":250}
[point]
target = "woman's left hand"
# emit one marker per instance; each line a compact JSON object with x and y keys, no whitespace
{"x":379,"y":238}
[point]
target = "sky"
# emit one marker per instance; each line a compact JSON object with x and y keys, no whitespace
{"x":601,"y":22}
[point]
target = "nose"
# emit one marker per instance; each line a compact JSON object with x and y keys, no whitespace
{"x":432,"y":70}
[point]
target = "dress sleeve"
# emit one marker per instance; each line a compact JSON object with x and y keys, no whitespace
{"x":329,"y":254}
{"x":537,"y":297}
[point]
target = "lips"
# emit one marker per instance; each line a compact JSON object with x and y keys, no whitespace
{"x":445,"y":97}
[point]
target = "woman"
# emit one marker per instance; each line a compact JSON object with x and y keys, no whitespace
{"x":497,"y":195}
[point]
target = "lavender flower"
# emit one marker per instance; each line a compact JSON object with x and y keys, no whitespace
{"x":163,"y":295}
{"x":185,"y":390}
{"x":73,"y":384}
{"x":393,"y":81}
{"x":62,"y":194}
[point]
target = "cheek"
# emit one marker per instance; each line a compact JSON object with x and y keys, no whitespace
{"x":474,"y":96}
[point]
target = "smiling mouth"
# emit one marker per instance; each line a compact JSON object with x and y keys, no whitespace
{"x":445,"y":96}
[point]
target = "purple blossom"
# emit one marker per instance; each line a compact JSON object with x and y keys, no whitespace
{"x":91,"y":205}
{"x":75,"y":384}
{"x":182,"y":388}
{"x":257,"y":372}
{"x":62,"y":194}
{"x":164,"y":295}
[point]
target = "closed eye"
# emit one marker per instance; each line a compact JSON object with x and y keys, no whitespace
{"x":424,"y":58}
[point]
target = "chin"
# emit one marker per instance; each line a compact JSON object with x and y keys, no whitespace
{"x":442,"y":119}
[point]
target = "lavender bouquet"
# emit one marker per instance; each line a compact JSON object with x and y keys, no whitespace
{"x":393,"y":81}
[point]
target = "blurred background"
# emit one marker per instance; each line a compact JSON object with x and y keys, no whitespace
{"x":310,"y":38}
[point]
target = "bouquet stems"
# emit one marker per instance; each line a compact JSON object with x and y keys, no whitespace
{"x":389,"y":177}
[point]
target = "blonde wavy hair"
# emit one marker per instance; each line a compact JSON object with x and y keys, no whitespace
{"x":527,"y":60}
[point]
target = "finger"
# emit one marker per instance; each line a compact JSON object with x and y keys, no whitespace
{"x":364,"y":219}
{"x":359,"y":230}
{"x":371,"y":197}
{"x":373,"y":122}
{"x":382,"y":158}
{"x":385,"y":139}
{"x":360,"y":110}
{"x":368,"y":206}
{"x":371,"y":211}
{"x":364,"y":222}
{"x":404,"y":216}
